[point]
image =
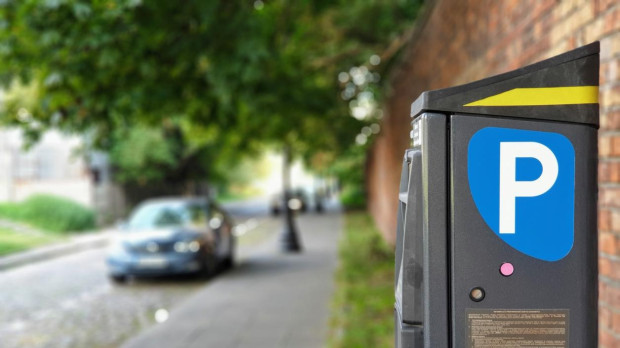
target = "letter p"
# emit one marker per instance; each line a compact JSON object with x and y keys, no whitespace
{"x":510,"y":188}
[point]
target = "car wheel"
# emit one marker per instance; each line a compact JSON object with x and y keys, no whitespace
{"x":118,"y":278}
{"x":209,"y":267}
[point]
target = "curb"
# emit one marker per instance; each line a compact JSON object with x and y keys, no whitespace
{"x":81,"y":243}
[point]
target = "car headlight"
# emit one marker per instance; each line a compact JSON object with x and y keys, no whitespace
{"x":118,"y":251}
{"x":187,"y":246}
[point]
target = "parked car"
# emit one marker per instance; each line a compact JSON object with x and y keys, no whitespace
{"x":172,"y":236}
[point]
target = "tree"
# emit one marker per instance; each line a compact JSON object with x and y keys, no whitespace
{"x":243,"y":72}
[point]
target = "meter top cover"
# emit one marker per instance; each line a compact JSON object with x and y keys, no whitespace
{"x":548,"y":90}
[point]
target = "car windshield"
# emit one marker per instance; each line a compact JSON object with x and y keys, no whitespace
{"x":165,"y":214}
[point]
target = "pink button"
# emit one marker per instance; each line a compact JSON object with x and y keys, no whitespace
{"x":506,"y":269}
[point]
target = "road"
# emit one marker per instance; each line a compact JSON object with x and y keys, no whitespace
{"x":69,"y":301}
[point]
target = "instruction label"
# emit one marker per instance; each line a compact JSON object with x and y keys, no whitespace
{"x":496,"y":328}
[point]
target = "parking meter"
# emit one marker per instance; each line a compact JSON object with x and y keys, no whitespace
{"x":497,"y":221}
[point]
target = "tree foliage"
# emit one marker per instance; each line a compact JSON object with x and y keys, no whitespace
{"x":224,"y":76}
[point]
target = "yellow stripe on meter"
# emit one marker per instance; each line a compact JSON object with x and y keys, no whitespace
{"x":541,"y":96}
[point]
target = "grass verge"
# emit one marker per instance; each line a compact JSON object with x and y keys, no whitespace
{"x":11,"y":241}
{"x":50,"y":213}
{"x":363,"y":305}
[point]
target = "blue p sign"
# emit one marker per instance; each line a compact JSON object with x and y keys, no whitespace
{"x":523,"y":184}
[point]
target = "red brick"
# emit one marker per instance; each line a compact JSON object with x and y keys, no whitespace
{"x":609,"y":268}
{"x":615,"y":145}
{"x":615,"y":221}
{"x":609,"y":72}
{"x":604,"y":145}
{"x":608,"y":294}
{"x":603,"y":25}
{"x":603,"y":5}
{"x":610,"y":197}
{"x":610,"y":97}
{"x":605,"y":317}
{"x":602,"y":292}
{"x":614,"y":172}
{"x":604,"y":267}
{"x":606,"y":339}
{"x":610,"y":46}
{"x":541,"y":7}
{"x":563,"y":9}
{"x":616,"y":322}
{"x":612,"y":21}
{"x":603,"y":172}
{"x":607,"y":243}
{"x":577,"y":19}
{"x":609,"y":171}
{"x":615,"y":271}
{"x":604,"y":220}
{"x":610,"y":120}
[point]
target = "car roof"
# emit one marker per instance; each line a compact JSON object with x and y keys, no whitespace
{"x":176,"y":200}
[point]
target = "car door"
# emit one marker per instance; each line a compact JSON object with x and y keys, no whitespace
{"x":199,"y":222}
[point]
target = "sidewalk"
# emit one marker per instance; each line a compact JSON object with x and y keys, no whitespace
{"x":270,"y":299}
{"x":75,"y":244}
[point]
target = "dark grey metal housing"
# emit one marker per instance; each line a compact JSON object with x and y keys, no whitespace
{"x":444,"y":247}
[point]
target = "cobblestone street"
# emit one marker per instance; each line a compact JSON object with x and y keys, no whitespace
{"x":69,"y":301}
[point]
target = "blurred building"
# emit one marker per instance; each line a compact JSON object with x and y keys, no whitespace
{"x":56,"y":166}
{"x":49,"y":167}
{"x":459,"y":41}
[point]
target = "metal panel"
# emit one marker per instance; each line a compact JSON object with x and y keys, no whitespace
{"x":477,"y":252}
{"x":433,"y":129}
{"x":402,"y":205}
{"x":422,"y":293}
{"x":407,"y":336}
{"x":413,"y":246}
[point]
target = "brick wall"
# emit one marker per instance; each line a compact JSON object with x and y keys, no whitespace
{"x":465,"y":40}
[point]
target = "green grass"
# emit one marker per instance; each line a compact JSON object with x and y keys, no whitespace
{"x":353,"y":198}
{"x":237,"y":195}
{"x":363,"y":305}
{"x":50,"y":213}
{"x":11,"y":241}
{"x":228,"y":197}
